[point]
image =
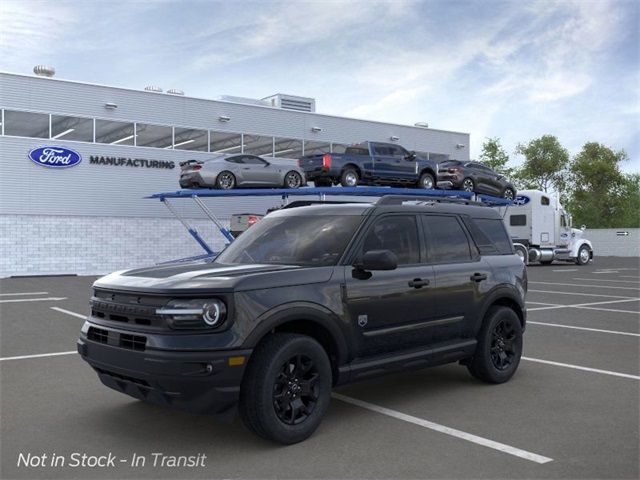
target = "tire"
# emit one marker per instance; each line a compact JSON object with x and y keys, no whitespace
{"x":426,"y":182}
{"x":286,"y":390}
{"x":468,"y":185}
{"x":349,"y":178}
{"x":292,"y":180}
{"x":225,"y":180}
{"x":499,"y":346}
{"x":522,"y":252}
{"x":584,"y":255}
{"x":508,"y":194}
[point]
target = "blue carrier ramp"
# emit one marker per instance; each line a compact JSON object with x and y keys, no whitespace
{"x":320,"y":192}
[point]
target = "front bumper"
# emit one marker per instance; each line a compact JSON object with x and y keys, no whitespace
{"x":203,"y":382}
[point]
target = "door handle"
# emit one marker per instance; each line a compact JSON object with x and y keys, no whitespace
{"x":478,"y":277}
{"x":418,"y":283}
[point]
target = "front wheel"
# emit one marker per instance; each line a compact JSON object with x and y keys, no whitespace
{"x":508,"y":194}
{"x":583,"y":255}
{"x":286,"y":389}
{"x":349,"y":178}
{"x":499,"y":346}
{"x":292,"y":180}
{"x":426,"y":182}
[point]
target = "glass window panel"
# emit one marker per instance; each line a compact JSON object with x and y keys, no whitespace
{"x":258,"y":145}
{"x":115,"y":133}
{"x":338,"y":147}
{"x":155,"y":136}
{"x":26,"y":124}
{"x":225,"y":142}
{"x":72,"y":128}
{"x":287,"y":148}
{"x":315,"y":148}
{"x":191,"y":139}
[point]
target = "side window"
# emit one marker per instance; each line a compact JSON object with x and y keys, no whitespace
{"x":250,"y":159}
{"x":490,"y":235}
{"x":545,"y":201}
{"x":447,"y":240}
{"x":397,"y":233}
{"x":517,"y":220}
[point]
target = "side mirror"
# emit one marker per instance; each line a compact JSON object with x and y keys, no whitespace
{"x":411,"y":156}
{"x":378,"y":260}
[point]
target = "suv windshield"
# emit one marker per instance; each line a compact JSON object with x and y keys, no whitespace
{"x":316,"y":240}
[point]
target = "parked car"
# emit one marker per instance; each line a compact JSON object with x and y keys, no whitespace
{"x":310,"y":298}
{"x":240,"y":170}
{"x":475,"y":177}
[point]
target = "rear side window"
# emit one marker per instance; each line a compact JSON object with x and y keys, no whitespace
{"x":490,"y":235}
{"x":447,"y":241}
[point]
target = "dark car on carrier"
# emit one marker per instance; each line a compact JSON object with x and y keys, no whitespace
{"x":310,"y":298}
{"x":475,"y":177}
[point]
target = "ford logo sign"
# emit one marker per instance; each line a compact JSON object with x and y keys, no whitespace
{"x":55,"y":157}
{"x":521,"y":200}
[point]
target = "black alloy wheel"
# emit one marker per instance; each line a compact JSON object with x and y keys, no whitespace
{"x":286,"y":389}
{"x":499,"y":346}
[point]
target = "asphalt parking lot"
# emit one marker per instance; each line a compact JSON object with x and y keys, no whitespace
{"x":571,"y":411}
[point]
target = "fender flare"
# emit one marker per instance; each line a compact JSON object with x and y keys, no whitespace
{"x":496,"y":296}
{"x":297,"y":311}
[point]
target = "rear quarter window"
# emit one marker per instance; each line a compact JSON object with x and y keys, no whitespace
{"x":447,"y":241}
{"x":490,"y":235}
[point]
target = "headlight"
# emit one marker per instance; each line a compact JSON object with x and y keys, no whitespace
{"x":194,"y":313}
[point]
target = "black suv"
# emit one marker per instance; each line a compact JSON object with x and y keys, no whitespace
{"x":475,"y":177}
{"x":310,"y":298}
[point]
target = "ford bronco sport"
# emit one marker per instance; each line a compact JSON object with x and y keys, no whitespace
{"x":310,"y":298}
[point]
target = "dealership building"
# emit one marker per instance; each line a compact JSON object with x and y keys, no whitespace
{"x":89,"y":215}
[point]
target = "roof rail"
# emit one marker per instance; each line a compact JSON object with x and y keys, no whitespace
{"x":421,"y":200}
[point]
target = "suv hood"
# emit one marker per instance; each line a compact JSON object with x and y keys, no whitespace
{"x":209,"y":277}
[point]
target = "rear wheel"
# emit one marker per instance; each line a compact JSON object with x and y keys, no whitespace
{"x":499,"y":346}
{"x":286,"y":389}
{"x":226,"y":180}
{"x":426,"y":182}
{"x":349,"y":178}
{"x":292,"y":180}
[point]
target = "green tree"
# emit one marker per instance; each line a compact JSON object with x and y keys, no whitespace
{"x":599,"y":194}
{"x":494,"y":156}
{"x":545,"y":164}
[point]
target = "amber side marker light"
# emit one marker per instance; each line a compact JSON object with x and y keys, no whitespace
{"x":236,"y":361}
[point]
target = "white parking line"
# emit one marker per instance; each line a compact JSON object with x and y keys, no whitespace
{"x":583,"y":328}
{"x":49,"y":299}
{"x":586,"y":369}
{"x":637,"y":289}
{"x":603,"y":280}
{"x":442,"y":429}
{"x":588,"y":306}
{"x":73,"y":314}
{"x":43,"y":355}
{"x":582,"y":294}
{"x":24,"y":293}
{"x":570,"y":270}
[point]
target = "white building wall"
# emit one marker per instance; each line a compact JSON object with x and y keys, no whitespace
{"x":612,"y":242}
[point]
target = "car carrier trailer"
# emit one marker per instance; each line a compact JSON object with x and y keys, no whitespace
{"x":319,"y":192}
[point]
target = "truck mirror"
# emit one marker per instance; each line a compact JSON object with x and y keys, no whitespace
{"x":583,"y":228}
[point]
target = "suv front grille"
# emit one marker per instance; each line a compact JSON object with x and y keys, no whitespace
{"x":133,"y":310}
{"x":122,"y":340}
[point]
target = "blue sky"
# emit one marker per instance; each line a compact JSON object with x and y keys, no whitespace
{"x":514,"y":70}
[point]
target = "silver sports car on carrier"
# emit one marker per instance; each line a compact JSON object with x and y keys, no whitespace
{"x":240,"y":170}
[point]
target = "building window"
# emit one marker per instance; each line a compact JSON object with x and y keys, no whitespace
{"x":225,"y":142}
{"x":115,"y":133}
{"x":191,"y":139}
{"x":287,"y":148}
{"x":154,"y":136}
{"x":72,"y":128}
{"x":258,"y":145}
{"x":26,"y":124}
